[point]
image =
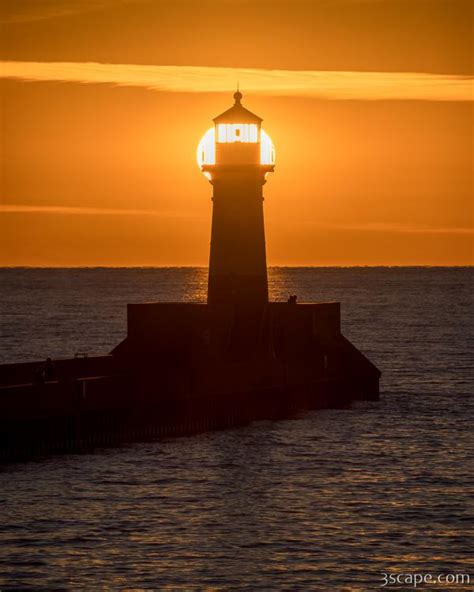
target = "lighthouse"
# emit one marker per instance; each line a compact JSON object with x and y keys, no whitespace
{"x":236,"y":155}
{"x":186,"y":367}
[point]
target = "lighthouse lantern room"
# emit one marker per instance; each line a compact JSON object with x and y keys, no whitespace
{"x":237,"y":138}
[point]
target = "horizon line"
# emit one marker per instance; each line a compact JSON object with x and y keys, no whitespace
{"x":269,"y":266}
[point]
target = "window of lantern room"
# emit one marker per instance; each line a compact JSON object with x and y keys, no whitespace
{"x":237,"y":132}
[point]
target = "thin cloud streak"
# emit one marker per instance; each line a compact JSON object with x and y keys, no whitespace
{"x":335,"y":85}
{"x":88,"y":211}
{"x":401,"y":228}
{"x":40,"y":10}
{"x":73,"y":210}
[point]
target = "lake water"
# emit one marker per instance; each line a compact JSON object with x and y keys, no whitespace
{"x":329,"y":501}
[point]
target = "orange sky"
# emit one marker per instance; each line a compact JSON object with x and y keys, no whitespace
{"x":373,"y":139}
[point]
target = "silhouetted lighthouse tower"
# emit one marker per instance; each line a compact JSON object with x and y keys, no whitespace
{"x":236,"y":156}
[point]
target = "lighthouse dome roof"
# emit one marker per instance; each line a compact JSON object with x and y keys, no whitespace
{"x":238,"y":113}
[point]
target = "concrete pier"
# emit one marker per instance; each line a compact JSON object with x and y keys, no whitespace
{"x":185,"y":368}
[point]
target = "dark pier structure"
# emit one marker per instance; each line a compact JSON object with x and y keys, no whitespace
{"x":185,"y":367}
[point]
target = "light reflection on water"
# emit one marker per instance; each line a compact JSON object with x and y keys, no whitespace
{"x":325,"y":502}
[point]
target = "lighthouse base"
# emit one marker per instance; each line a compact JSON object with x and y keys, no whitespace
{"x":185,"y":368}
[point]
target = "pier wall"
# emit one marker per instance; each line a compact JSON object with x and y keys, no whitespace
{"x":185,"y":368}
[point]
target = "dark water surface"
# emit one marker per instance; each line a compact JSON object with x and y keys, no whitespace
{"x":325,"y":502}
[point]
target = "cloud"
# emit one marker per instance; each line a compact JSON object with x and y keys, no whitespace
{"x":72,"y":210}
{"x":298,"y":83}
{"x":403,"y":228}
{"x":369,"y":227}
{"x":28,"y":11}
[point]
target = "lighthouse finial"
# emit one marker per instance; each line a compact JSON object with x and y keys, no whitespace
{"x":238,"y":95}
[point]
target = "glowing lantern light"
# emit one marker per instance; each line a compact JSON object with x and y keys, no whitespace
{"x":237,"y":139}
{"x":206,"y":151}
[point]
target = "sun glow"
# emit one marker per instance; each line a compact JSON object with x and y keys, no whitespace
{"x":267,"y":149}
{"x":206,"y":151}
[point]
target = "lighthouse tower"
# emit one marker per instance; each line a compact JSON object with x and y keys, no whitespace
{"x":238,"y":356}
{"x":236,"y":155}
